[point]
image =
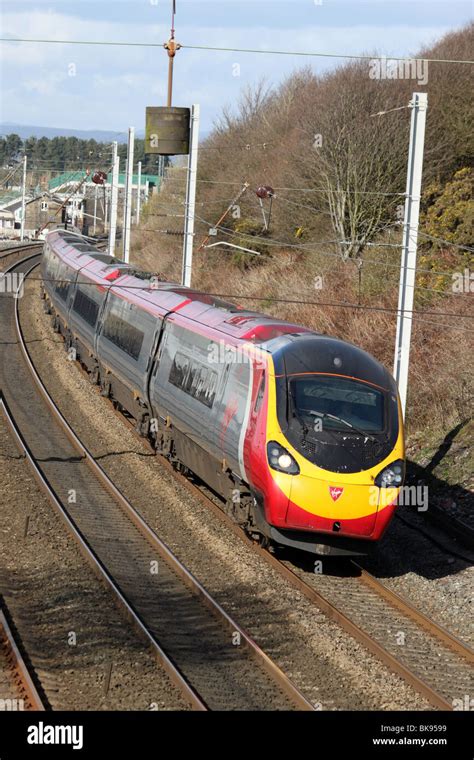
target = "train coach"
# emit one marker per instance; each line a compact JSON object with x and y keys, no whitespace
{"x":300,"y":433}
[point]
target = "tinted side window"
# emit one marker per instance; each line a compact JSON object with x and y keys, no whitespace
{"x":62,"y":285}
{"x":179,"y":371}
{"x":194,"y":378}
{"x":85,"y":307}
{"x":124,"y":335}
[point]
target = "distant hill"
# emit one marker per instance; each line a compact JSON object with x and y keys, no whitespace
{"x":101,"y":135}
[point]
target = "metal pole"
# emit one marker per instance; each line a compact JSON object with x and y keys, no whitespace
{"x":419,"y":105}
{"x":170,"y":81}
{"x":114,"y":199}
{"x":160,"y":173}
{"x":23,"y":200}
{"x":190,"y":198}
{"x":95,"y":208}
{"x":127,"y":217}
{"x":139,"y":189}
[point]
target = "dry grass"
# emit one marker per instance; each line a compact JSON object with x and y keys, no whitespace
{"x":441,"y":386}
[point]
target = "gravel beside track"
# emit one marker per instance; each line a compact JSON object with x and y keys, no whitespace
{"x":434,"y":580}
{"x":55,"y":600}
{"x":449,"y":674}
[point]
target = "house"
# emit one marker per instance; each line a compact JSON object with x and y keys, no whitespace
{"x":44,"y":210}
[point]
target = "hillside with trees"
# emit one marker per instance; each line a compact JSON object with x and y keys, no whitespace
{"x":333,"y":148}
{"x":59,"y":154}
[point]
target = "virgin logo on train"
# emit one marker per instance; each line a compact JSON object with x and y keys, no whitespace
{"x":335,"y":492}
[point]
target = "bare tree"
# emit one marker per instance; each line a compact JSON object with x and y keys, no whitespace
{"x":355,"y":161}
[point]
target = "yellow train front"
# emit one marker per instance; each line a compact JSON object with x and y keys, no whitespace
{"x":326,"y":453}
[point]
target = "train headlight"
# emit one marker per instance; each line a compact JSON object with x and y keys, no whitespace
{"x":391,"y":476}
{"x":280,"y":459}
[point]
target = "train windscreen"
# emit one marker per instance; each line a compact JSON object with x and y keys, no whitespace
{"x":340,"y":403}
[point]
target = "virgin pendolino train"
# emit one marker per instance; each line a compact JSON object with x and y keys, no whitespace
{"x":301,"y":434}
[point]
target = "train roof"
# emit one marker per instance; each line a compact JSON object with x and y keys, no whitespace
{"x":157,"y":296}
{"x":315,"y":353}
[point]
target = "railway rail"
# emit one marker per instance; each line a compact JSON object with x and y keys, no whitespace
{"x":402,"y":637}
{"x":17,"y":687}
{"x":377,"y":618}
{"x":19,"y":250}
{"x":205,"y":653}
{"x":455,"y":528}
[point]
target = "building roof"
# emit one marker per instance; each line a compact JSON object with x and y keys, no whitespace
{"x":77,"y":176}
{"x":8,"y":199}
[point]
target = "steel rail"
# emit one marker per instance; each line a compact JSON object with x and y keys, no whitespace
{"x":168,"y":666}
{"x":419,"y":617}
{"x":329,"y":609}
{"x":339,"y":617}
{"x":5,"y":253}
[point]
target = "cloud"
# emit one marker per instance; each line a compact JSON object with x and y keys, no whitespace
{"x":113,"y":85}
{"x":46,"y":85}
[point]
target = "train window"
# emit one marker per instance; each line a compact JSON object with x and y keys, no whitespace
{"x":179,"y":370}
{"x":85,"y":307}
{"x":62,"y":289}
{"x":62,"y":285}
{"x":194,"y":378}
{"x":341,"y":402}
{"x":124,"y":335}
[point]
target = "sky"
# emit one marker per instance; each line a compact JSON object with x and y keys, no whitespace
{"x":96,"y":87}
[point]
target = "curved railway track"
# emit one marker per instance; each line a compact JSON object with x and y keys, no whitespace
{"x":7,"y":254}
{"x":17,"y":687}
{"x":205,"y":653}
{"x":425,"y":655}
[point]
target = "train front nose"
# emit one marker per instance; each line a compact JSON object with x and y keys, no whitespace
{"x":348,"y":508}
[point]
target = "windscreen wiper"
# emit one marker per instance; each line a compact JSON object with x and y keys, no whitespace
{"x":296,"y":414}
{"x":349,"y":425}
